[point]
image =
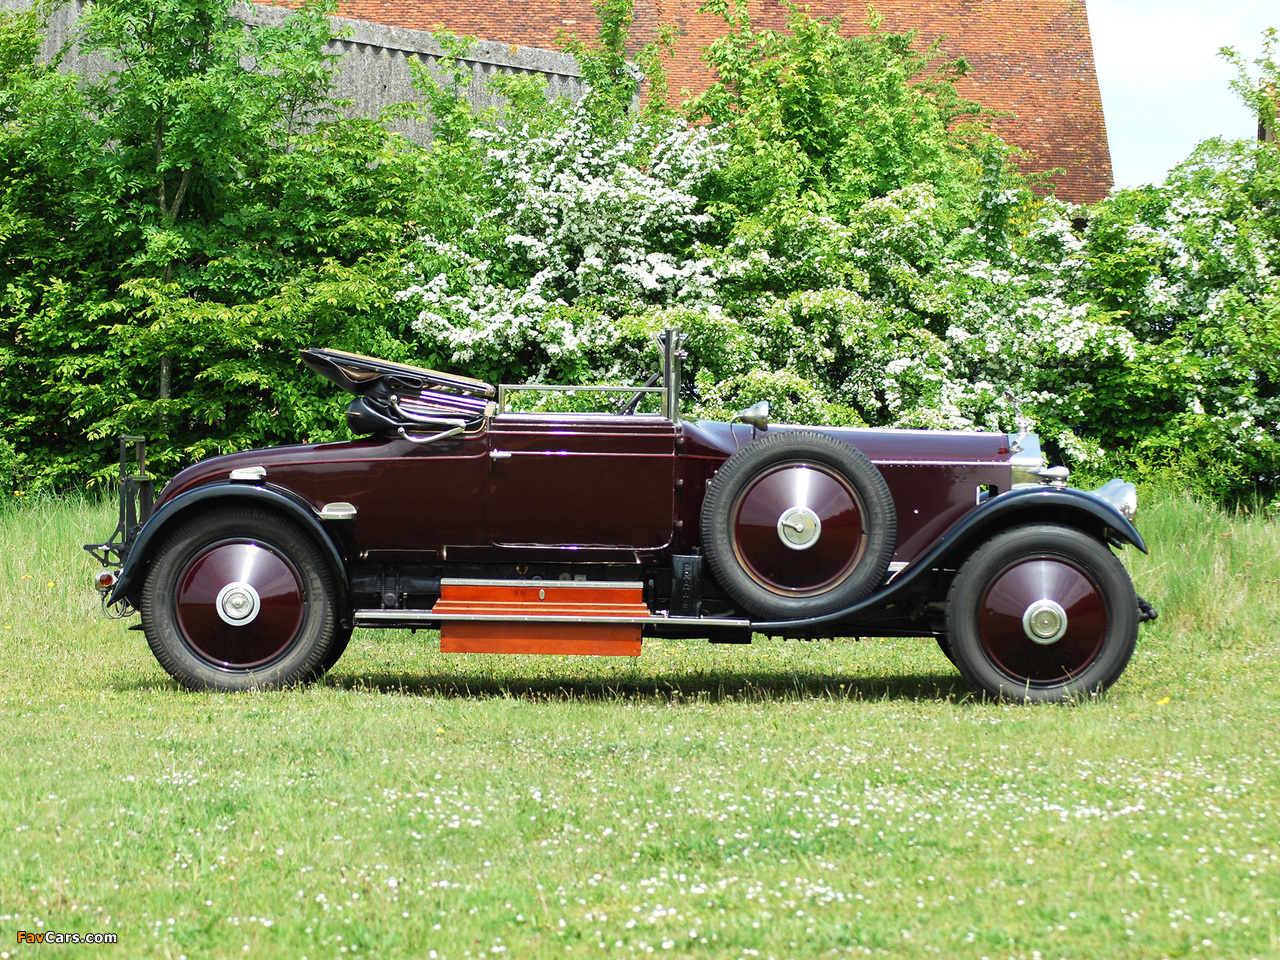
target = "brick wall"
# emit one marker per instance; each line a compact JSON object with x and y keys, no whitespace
{"x":1031,"y":58}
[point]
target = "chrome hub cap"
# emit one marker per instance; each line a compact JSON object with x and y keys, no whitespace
{"x":1045,"y":622}
{"x":238,"y":603}
{"x":799,"y":528}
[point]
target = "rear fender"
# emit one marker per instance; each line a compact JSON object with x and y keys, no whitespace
{"x":168,"y":516}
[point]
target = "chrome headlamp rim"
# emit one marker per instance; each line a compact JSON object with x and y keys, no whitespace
{"x":1120,"y":494}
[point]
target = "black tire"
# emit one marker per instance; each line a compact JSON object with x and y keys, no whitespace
{"x":798,"y":524}
{"x":341,"y":637}
{"x":240,"y":599}
{"x":1042,"y":613}
{"x":944,"y":644}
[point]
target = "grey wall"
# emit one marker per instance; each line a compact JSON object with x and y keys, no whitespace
{"x":374,"y":71}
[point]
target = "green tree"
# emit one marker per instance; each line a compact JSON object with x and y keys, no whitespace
{"x":173,"y":231}
{"x":831,"y":121}
{"x":1260,"y":93}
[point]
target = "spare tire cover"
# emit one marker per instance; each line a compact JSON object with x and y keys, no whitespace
{"x":798,"y":524}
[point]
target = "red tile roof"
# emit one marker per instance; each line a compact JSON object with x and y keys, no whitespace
{"x":1032,"y":59}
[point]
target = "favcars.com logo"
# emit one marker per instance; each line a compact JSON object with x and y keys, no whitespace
{"x":50,"y":936}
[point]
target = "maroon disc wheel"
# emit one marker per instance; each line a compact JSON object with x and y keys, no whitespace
{"x":1042,"y":612}
{"x":798,"y":524}
{"x":239,"y":604}
{"x":240,"y":599}
{"x":798,"y":529}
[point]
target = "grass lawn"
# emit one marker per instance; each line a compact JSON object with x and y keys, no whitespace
{"x":778,"y":800}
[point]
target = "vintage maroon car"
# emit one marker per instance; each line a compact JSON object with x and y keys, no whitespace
{"x":583,"y":533}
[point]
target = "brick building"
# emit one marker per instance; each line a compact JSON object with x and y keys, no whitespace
{"x":1032,"y":59}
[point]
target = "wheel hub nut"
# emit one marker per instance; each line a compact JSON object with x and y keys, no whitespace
{"x":799,"y":528}
{"x":1045,"y":622}
{"x":238,"y":603}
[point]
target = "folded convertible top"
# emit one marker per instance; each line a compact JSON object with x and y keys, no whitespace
{"x":360,"y":374}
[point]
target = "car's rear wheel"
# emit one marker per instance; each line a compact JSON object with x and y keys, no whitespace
{"x":1042,"y":612}
{"x":341,"y":637}
{"x":798,"y":524}
{"x":240,"y":599}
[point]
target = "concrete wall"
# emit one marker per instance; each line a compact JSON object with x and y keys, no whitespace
{"x":374,"y":70}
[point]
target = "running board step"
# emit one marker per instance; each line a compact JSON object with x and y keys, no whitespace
{"x":541,"y":616}
{"x":499,"y":613}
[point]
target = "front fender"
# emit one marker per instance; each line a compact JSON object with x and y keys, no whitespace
{"x":163,"y":520}
{"x":1064,"y":505}
{"x":1047,"y":505}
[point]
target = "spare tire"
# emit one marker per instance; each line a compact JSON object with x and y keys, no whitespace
{"x":798,"y":524}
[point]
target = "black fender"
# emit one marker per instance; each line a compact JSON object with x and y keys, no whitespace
{"x":162,"y":521}
{"x":1047,"y":504}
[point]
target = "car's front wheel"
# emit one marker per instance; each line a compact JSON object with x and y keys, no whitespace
{"x":240,"y":599}
{"x":1042,"y":612}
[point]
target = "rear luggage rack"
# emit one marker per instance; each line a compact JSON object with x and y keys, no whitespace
{"x":137,"y":500}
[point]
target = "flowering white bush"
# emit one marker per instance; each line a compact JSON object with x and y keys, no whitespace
{"x":591,"y":225}
{"x":1192,"y":268}
{"x":1152,"y":333}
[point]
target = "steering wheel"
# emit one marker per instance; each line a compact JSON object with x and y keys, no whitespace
{"x":634,"y":403}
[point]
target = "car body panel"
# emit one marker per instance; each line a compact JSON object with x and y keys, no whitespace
{"x":604,"y":483}
{"x":619,"y":490}
{"x":610,"y":488}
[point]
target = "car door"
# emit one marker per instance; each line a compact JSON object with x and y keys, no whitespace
{"x":581,"y":482}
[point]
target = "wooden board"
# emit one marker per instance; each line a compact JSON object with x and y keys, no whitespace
{"x":501,"y":604}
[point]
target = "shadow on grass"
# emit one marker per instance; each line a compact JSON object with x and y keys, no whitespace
{"x":746,"y":686}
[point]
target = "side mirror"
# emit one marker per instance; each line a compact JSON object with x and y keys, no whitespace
{"x":756,"y":415}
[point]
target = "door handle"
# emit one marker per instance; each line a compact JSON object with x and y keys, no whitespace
{"x":499,"y":454}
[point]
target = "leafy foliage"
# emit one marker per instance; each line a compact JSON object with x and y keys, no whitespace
{"x":171,"y":233}
{"x":833,"y":225}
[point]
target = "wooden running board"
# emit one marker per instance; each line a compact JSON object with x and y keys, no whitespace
{"x":540,"y":616}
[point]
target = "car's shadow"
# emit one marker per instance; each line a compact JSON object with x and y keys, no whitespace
{"x":706,"y":688}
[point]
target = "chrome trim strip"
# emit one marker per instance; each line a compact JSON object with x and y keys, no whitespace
{"x":382,"y":618}
{"x":442,"y":435}
{"x":455,"y":418}
{"x":589,"y":584}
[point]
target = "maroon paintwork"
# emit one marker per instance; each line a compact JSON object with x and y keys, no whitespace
{"x":575,"y":488}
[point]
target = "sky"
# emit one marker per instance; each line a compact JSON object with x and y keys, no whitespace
{"x":1164,"y":87}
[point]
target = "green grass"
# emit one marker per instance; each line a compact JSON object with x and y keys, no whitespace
{"x":778,"y":800}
